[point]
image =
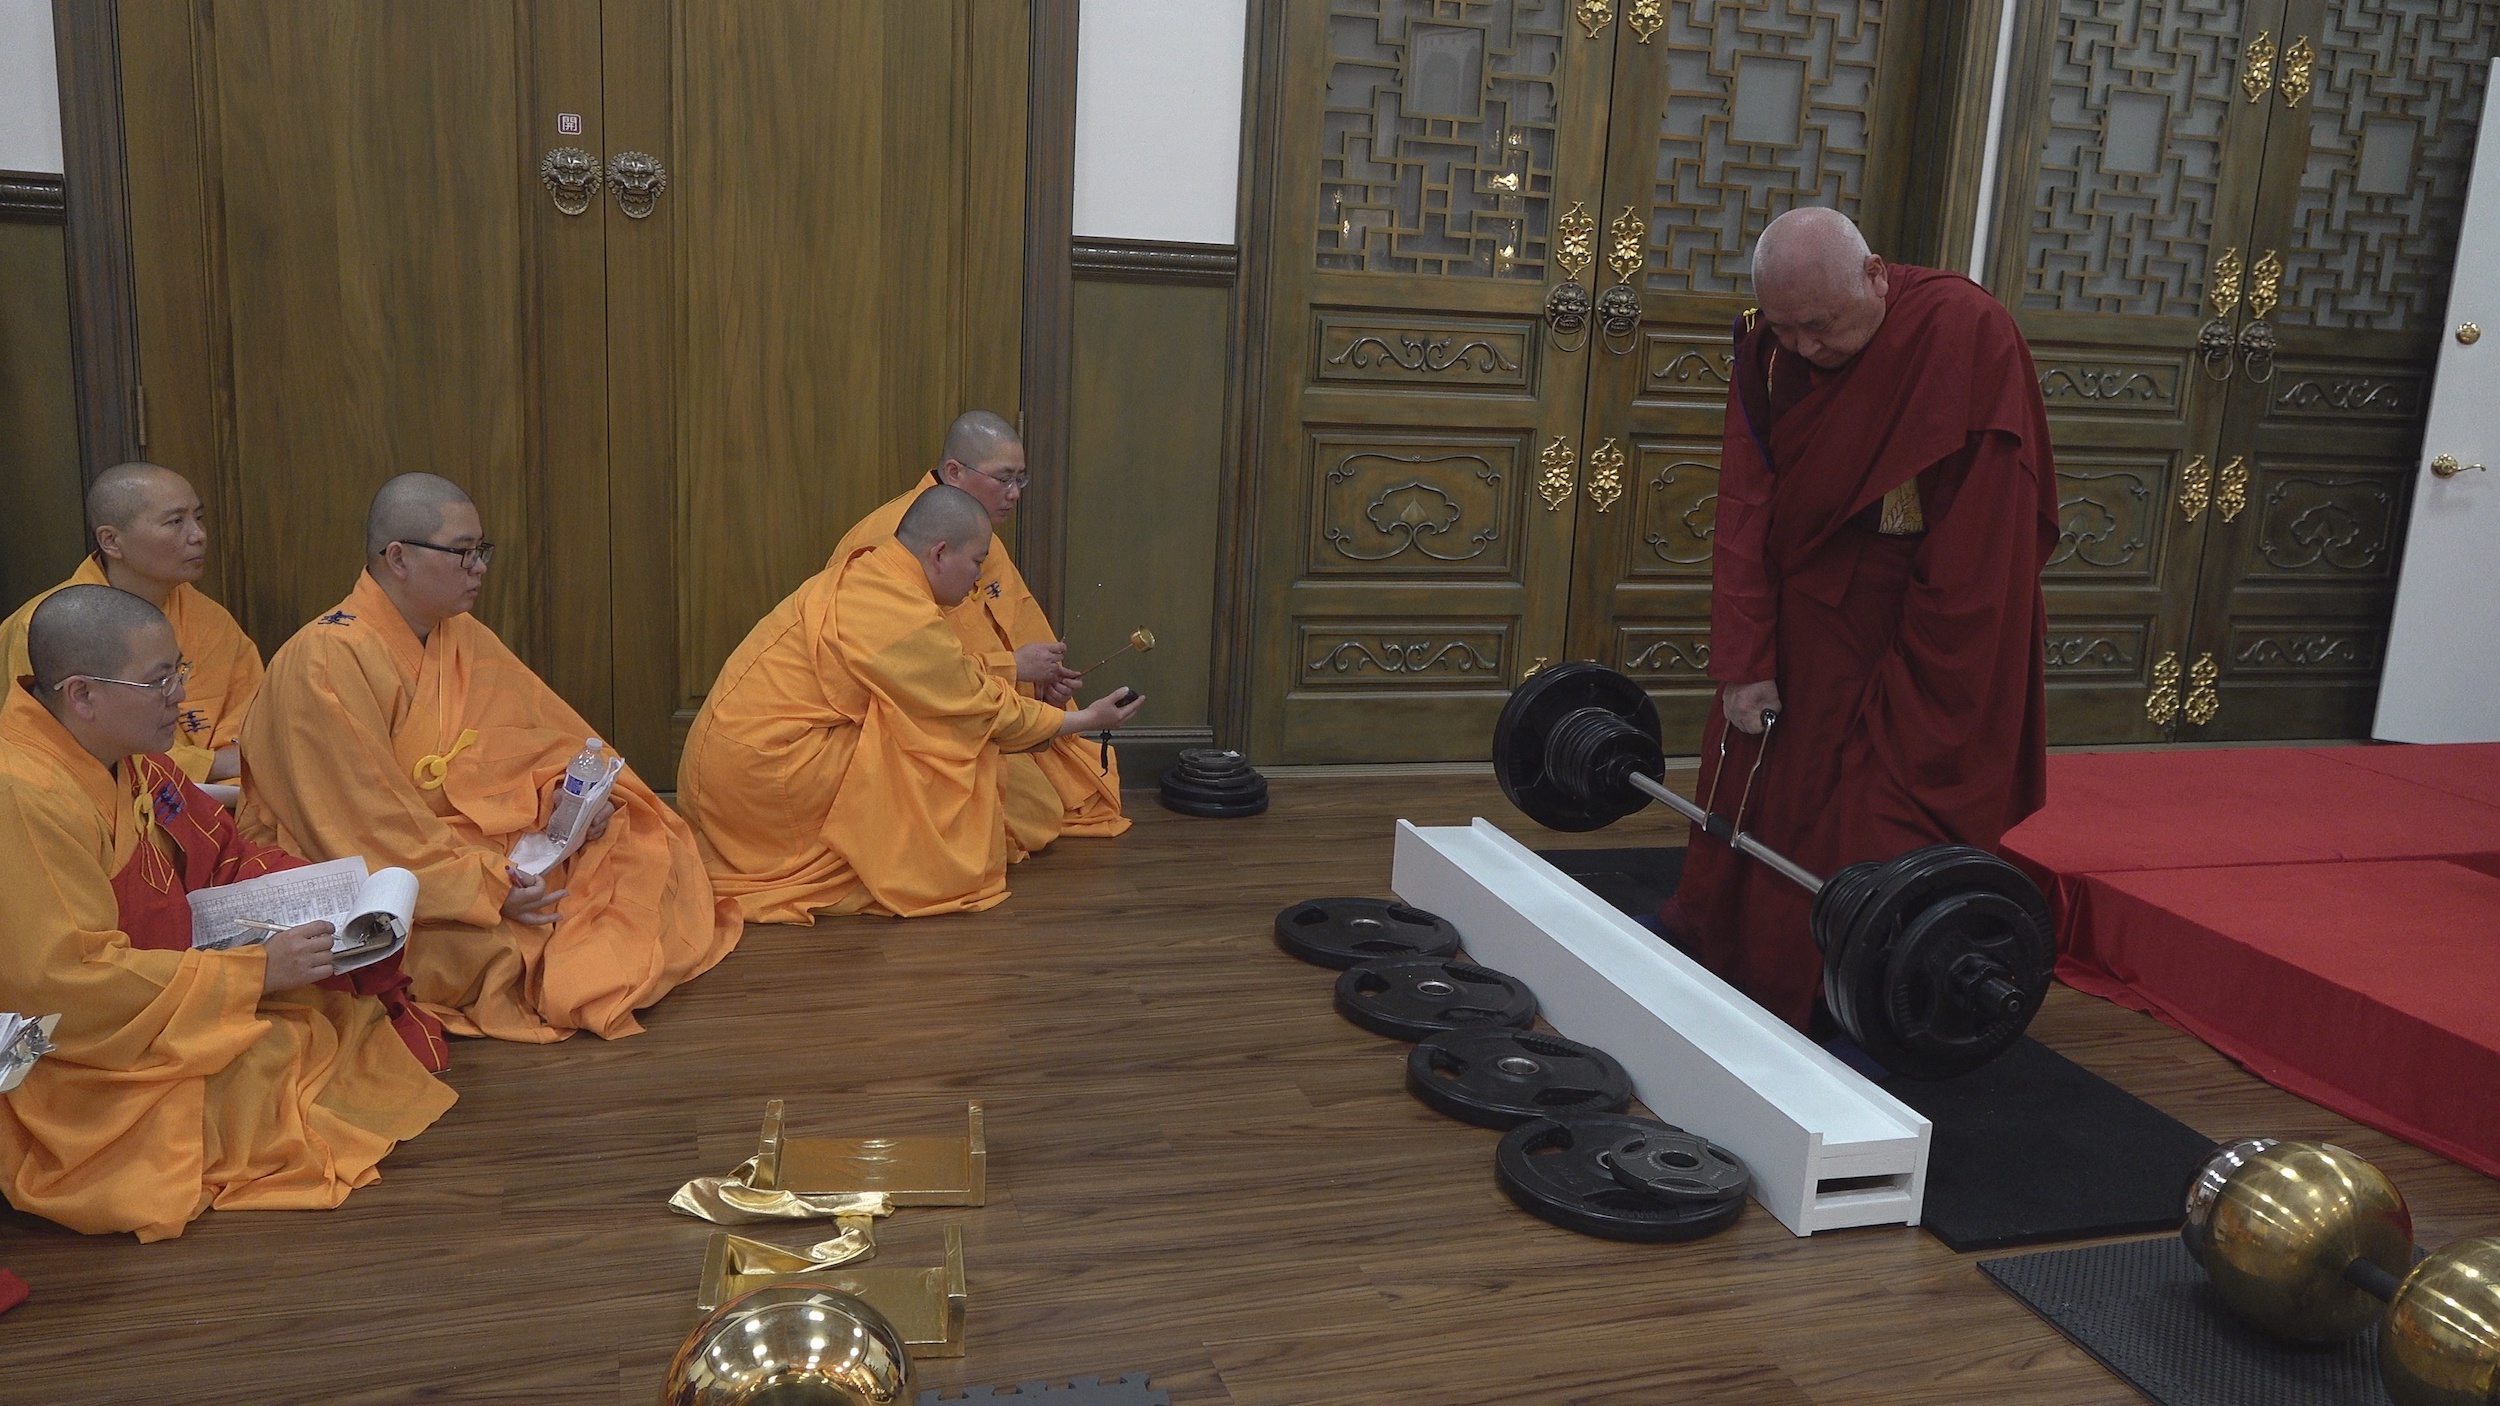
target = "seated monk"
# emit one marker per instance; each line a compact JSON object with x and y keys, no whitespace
{"x":151,"y":540}
{"x":851,"y":758}
{"x":246,"y":1079}
{"x":398,"y":727}
{"x":1072,"y":786}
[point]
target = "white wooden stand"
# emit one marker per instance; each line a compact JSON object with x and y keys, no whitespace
{"x":1827,"y":1148}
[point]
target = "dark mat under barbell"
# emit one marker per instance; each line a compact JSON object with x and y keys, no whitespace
{"x":2145,"y":1311}
{"x":2029,"y":1150}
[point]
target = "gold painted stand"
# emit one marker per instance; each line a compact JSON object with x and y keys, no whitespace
{"x":912,"y":1171}
{"x":925,"y":1305}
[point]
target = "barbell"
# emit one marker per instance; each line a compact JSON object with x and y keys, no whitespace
{"x":1933,"y":961}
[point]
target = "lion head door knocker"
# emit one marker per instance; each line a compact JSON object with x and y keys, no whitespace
{"x":571,"y":176}
{"x":1619,"y":307}
{"x":2214,"y":341}
{"x":2257,"y":346}
{"x":1567,"y":307}
{"x":639,"y":180}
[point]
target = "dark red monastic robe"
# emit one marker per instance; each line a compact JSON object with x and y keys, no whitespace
{"x":1904,"y":627}
{"x":208,"y":850}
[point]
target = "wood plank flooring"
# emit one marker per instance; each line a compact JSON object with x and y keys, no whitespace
{"x":1197,"y":1170}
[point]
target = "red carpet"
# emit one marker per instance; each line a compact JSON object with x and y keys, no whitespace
{"x":2329,"y":917}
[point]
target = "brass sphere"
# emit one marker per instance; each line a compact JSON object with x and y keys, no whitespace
{"x":2440,"y":1342}
{"x":790,"y":1344}
{"x":2276,"y":1223}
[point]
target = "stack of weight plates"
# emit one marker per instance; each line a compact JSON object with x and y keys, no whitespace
{"x":1213,"y":783}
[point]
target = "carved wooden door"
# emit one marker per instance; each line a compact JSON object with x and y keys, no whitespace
{"x":2132,"y":178}
{"x":1440,"y":164}
{"x":1724,"y":116}
{"x":2373,"y":115}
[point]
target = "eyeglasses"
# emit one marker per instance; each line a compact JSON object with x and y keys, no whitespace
{"x":471,"y":558}
{"x":165,"y":686}
{"x":1017,"y":481}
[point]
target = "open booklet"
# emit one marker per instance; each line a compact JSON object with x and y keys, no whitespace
{"x":23,"y":1040}
{"x":538,"y":851}
{"x":371,"y":912}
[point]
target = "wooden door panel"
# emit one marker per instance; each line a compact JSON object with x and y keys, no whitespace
{"x":1417,"y":478}
{"x":2374,"y":114}
{"x":1725,"y":117}
{"x":2133,"y":165}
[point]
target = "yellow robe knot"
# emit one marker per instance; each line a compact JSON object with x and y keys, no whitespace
{"x":430,"y":771}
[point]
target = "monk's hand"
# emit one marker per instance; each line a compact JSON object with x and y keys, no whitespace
{"x":225,"y":764}
{"x":299,"y":956}
{"x":531,"y":903}
{"x":1745,"y":705}
{"x":1041,"y":663}
{"x":1104,"y":713}
{"x":1061,"y":687}
{"x":599,"y":820}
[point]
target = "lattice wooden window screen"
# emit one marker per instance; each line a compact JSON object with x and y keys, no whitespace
{"x":1437,"y":144}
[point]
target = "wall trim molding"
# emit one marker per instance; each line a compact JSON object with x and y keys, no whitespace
{"x":33,"y":198}
{"x":1146,"y":753}
{"x":1155,"y":261}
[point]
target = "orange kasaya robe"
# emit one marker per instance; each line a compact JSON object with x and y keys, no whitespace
{"x":436,"y":756}
{"x":176,"y":1085}
{"x":849,"y":757}
{"x":225,"y":666}
{"x":1072,"y":786}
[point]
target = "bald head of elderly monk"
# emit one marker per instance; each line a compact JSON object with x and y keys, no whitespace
{"x":1822,"y":290}
{"x":150,"y":530}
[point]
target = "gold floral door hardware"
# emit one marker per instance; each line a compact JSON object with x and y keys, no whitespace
{"x":1606,"y":475}
{"x":1619,"y":309}
{"x":2232,"y":498}
{"x":2300,"y":62}
{"x":639,"y":181}
{"x":2161,"y":706}
{"x":2204,"y":702}
{"x":1567,"y":308}
{"x":2214,"y":341}
{"x":2265,"y":282}
{"x":1645,"y":18}
{"x":571,"y":176}
{"x":1555,"y":478}
{"x":2195,"y":488}
{"x":2257,"y":67}
{"x":1595,"y":15}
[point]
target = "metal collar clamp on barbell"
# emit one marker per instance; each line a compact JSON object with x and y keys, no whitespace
{"x":1934,"y":961}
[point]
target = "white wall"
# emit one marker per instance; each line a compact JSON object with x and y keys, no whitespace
{"x":30,"y":96}
{"x":1158,"y":118}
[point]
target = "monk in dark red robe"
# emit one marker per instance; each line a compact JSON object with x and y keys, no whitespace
{"x":1886,"y":504}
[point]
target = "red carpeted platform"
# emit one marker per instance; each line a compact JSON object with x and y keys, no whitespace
{"x":2329,"y":917}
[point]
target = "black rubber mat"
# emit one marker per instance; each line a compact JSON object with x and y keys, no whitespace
{"x":2032,"y":1148}
{"x":2146,"y":1312}
{"x":2028,"y":1150}
{"x":1633,"y":881}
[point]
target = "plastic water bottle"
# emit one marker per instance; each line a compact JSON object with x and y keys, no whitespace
{"x":583,"y":773}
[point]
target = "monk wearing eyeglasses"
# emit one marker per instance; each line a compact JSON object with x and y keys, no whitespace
{"x":252,"y":1078}
{"x":398,"y":727}
{"x":151,"y":539}
{"x":855,"y":754}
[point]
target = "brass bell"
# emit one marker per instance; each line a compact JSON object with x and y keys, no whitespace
{"x":795,"y":1343}
{"x":2280,"y":1228}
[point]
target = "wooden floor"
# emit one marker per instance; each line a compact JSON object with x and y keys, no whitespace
{"x":1197,"y":1171}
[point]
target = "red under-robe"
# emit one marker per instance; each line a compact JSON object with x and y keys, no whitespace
{"x":156,"y":914}
{"x":1904,"y":626}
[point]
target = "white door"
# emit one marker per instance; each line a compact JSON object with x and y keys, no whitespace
{"x":2442,"y":680}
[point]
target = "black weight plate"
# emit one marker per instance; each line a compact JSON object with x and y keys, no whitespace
{"x":1411,"y":998}
{"x":1562,"y":1170}
{"x":1679,"y":1167}
{"x":1529,"y":718}
{"x":1215,"y":793}
{"x":1835,"y":908}
{"x":1500,"y":1078}
{"x":1216,"y":810}
{"x":1345,"y":932}
{"x":1893,"y":981}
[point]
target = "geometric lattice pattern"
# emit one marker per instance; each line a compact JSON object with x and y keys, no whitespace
{"x":1437,"y":145}
{"x":2399,"y":85}
{"x":2132,"y":241}
{"x":1767,"y":109}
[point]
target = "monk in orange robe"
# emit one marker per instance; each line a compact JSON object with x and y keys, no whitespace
{"x":398,"y":727}
{"x":151,"y":539}
{"x":1071,"y":786}
{"x":851,"y":757}
{"x":245,"y":1079}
